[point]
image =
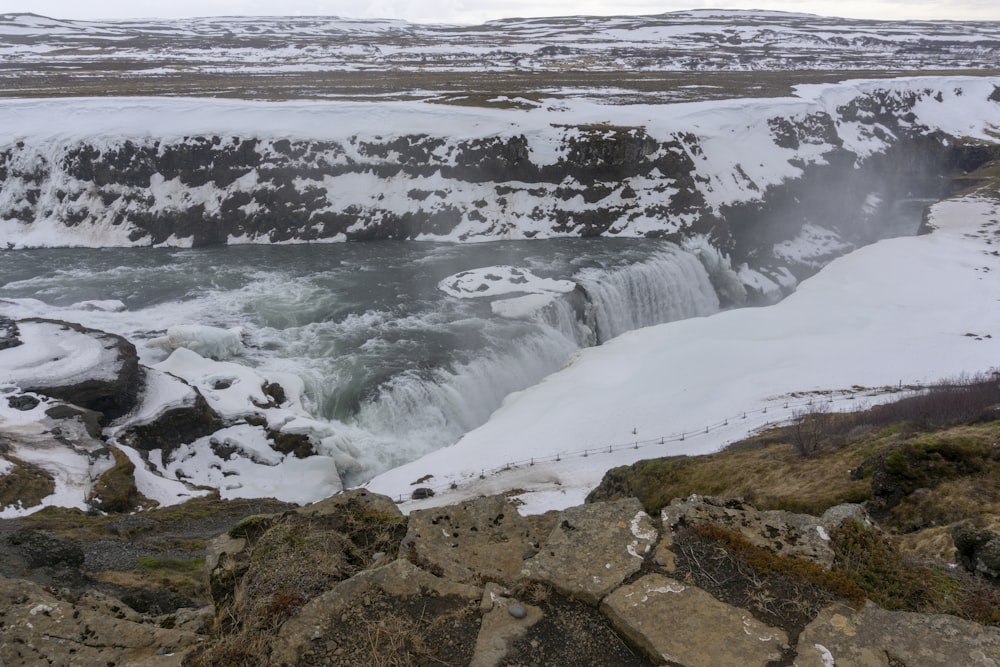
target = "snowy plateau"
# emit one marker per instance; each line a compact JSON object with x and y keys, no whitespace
{"x":555,"y":246}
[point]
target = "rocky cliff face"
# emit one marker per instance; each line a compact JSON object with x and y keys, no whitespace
{"x":839,"y":166}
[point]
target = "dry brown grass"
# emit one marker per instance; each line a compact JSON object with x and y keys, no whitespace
{"x":771,"y":475}
{"x":24,"y":484}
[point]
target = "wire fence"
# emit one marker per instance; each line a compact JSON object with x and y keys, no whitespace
{"x":784,"y":410}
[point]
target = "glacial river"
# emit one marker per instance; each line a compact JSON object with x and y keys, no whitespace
{"x":379,"y":345}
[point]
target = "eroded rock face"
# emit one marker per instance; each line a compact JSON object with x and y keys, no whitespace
{"x":268,"y":567}
{"x":594,"y":548}
{"x":874,"y":637}
{"x":687,"y":626}
{"x":38,"y":628}
{"x":785,"y":533}
{"x":459,"y":541}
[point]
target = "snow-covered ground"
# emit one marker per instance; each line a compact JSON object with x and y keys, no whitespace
{"x":706,"y":40}
{"x":898,"y":312}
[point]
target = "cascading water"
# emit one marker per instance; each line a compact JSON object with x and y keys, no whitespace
{"x":671,"y":285}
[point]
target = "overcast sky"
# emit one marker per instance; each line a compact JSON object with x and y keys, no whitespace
{"x":476,"y":11}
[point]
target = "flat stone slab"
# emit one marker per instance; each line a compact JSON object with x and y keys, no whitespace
{"x":501,"y":626}
{"x":314,"y":630}
{"x":874,"y":637}
{"x":41,"y":629}
{"x":594,"y":548}
{"x":483,"y":539}
{"x":685,"y":625}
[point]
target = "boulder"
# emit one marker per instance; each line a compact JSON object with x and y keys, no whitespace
{"x":785,"y":533}
{"x":87,"y":367}
{"x":41,"y":628}
{"x":978,"y":550}
{"x":463,"y":542}
{"x":594,"y":548}
{"x":687,"y":626}
{"x":389,"y":612}
{"x":269,"y":566}
{"x":874,"y":637}
{"x":170,"y":413}
{"x":837,"y":514}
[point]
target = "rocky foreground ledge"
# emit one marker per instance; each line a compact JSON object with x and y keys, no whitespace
{"x":352,"y":581}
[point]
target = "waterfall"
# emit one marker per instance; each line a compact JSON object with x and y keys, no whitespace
{"x":433,"y":406}
{"x":421,"y":411}
{"x":670,"y":285}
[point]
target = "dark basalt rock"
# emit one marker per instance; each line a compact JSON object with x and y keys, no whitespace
{"x":8,"y":333}
{"x":112,"y":398}
{"x":23,"y":402}
{"x":175,"y":427}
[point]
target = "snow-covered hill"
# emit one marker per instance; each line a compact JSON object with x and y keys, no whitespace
{"x":613,"y":58}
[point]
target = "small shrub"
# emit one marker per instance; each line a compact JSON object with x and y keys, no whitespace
{"x":765,"y":561}
{"x":870,"y":559}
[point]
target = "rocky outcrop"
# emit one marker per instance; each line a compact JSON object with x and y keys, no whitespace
{"x":458,"y":541}
{"x":165,"y":423}
{"x":474,"y":584}
{"x":370,"y":601}
{"x":874,"y":637}
{"x":785,"y":533}
{"x":86,"y":367}
{"x":978,"y":550}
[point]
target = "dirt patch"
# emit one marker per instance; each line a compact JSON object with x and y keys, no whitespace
{"x":386,"y":631}
{"x":726,"y":567}
{"x":571,"y":633}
